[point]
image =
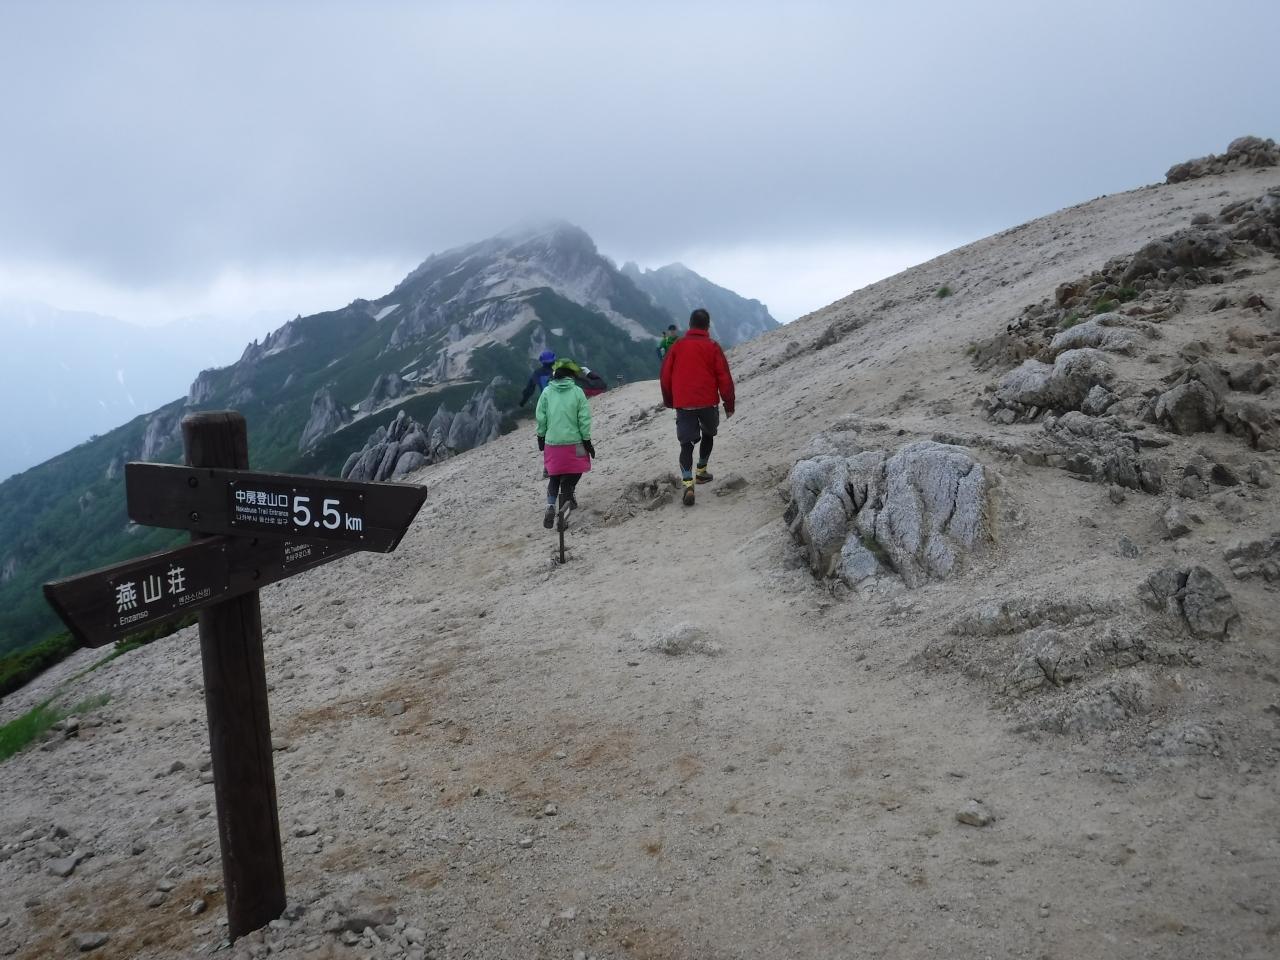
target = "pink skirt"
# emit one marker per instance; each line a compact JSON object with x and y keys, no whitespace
{"x":563,"y":458}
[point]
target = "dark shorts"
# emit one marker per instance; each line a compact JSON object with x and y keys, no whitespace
{"x":693,"y":425}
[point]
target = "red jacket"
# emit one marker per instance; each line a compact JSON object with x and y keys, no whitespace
{"x":696,"y":374}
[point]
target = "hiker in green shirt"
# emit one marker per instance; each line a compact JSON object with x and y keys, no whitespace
{"x":671,"y":336}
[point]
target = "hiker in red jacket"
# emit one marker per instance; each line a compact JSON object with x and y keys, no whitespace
{"x":695,"y":380}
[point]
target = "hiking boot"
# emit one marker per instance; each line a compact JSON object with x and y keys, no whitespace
{"x":549,"y":517}
{"x":688,"y":493}
{"x":702,"y":475}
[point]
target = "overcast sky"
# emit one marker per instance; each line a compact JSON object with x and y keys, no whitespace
{"x":179,"y":158}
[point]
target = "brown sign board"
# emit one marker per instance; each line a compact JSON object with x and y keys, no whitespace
{"x":251,"y":529}
{"x":110,"y":603}
{"x":364,"y":516}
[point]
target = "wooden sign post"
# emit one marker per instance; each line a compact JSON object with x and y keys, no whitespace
{"x":248,"y":530}
{"x":235,"y":699}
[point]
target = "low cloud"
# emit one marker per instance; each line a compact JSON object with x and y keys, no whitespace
{"x":276,"y":293}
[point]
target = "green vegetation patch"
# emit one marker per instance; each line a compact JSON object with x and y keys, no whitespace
{"x":19,"y":667}
{"x":944,"y":291}
{"x":22,"y":731}
{"x":140,"y":639}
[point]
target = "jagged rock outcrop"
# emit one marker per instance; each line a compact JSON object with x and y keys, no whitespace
{"x":1074,"y":664}
{"x":406,"y":445}
{"x":479,"y":421}
{"x":390,"y":452}
{"x":1184,"y":254}
{"x":1241,"y":152}
{"x":386,"y":388}
{"x":860,"y":513}
{"x":1255,"y":558}
{"x":202,"y":388}
{"x":1256,"y":424}
{"x":327,"y":416}
{"x":1102,"y":450}
{"x":1196,"y":596}
{"x":1201,"y":399}
{"x":285,"y":338}
{"x":1255,"y":221}
{"x":487,"y":316}
{"x":1107,"y":331}
{"x":1060,"y":663}
{"x":438,"y":430}
{"x":164,"y":428}
{"x":1056,"y":641}
{"x":1253,"y":376}
{"x":1189,"y":407}
{"x":1034,"y":387}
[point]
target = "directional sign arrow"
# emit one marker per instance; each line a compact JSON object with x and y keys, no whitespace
{"x":112,"y":602}
{"x":362,"y":516}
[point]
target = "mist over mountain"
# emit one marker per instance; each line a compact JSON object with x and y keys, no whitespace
{"x":67,"y":375}
{"x":451,"y":346}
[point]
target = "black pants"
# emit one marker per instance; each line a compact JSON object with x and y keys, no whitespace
{"x":562,"y":485}
{"x":696,"y":426}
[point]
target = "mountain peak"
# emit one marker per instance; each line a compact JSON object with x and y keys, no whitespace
{"x":676,"y":268}
{"x":552,"y":231}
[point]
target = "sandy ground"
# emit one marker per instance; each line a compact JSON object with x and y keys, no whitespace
{"x":788,"y":787}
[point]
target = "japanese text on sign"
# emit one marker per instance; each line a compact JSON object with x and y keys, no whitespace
{"x":340,"y":514}
{"x":152,"y":592}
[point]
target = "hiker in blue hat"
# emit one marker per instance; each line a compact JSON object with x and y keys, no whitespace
{"x":540,"y":377}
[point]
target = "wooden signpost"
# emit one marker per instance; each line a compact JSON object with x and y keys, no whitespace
{"x":249,"y":530}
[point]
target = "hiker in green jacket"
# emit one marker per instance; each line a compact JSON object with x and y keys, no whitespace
{"x":564,"y":437}
{"x":670,"y":337}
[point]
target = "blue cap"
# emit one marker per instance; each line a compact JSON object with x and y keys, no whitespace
{"x":546,"y":356}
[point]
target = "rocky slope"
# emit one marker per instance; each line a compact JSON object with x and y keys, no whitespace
{"x":1044,"y":724}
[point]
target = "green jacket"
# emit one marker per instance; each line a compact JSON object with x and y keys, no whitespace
{"x":563,"y":413}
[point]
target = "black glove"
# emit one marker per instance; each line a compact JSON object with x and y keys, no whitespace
{"x":590,"y":447}
{"x":542,"y":443}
